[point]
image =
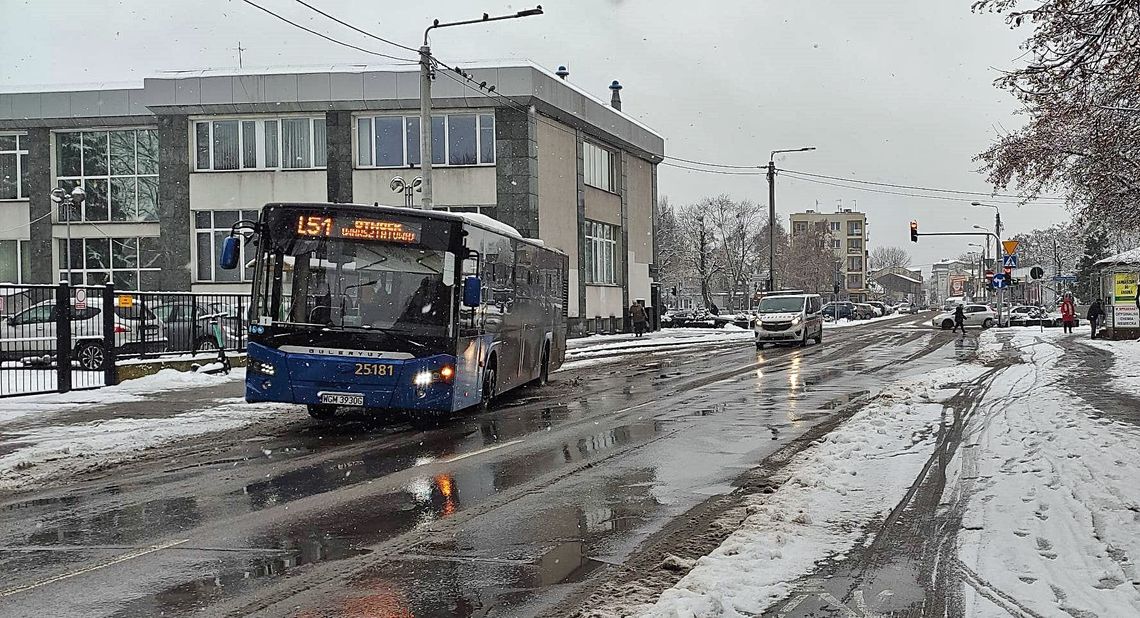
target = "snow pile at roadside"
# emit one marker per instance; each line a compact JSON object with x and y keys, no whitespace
{"x":1125,"y":369}
{"x":129,"y":390}
{"x":58,"y":450}
{"x":1047,"y":488}
{"x":853,"y":476}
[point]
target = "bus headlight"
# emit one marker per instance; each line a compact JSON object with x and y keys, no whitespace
{"x":262,"y":367}
{"x":423,"y":379}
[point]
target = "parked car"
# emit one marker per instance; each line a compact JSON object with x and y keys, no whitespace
{"x":31,"y":334}
{"x":880,"y":308}
{"x":838,"y":310}
{"x":863,"y":311}
{"x":789,"y":318}
{"x":976,"y":315}
{"x":14,"y":299}
{"x":189,"y":326}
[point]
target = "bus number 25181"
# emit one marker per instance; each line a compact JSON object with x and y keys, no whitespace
{"x":374,"y":369}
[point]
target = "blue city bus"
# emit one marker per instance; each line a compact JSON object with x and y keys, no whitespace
{"x":396,"y":309}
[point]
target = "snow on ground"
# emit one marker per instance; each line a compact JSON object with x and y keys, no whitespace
{"x":845,"y":323}
{"x":1125,"y":371}
{"x":602,"y":349}
{"x":129,"y":390}
{"x":852,"y":476}
{"x":59,"y":450}
{"x":1049,"y":494}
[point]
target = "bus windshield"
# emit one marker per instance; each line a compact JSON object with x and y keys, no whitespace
{"x":781,"y":304}
{"x":354,"y":284}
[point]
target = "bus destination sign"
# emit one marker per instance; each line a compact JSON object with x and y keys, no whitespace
{"x":357,"y":228}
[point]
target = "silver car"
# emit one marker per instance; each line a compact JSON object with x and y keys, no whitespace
{"x":31,"y":334}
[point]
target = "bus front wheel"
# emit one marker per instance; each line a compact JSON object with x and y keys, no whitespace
{"x":319,"y":411}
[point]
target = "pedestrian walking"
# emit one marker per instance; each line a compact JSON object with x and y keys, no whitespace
{"x":959,"y":319}
{"x":637,"y":314}
{"x":1095,"y":315}
{"x":1068,"y":313}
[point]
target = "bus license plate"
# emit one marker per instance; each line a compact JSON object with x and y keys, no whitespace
{"x":342,"y":399}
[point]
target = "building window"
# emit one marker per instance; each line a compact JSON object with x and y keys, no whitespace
{"x":117,"y":169}
{"x":488,"y":210}
{"x":799,"y":227}
{"x":210,"y":228}
{"x":456,"y":139}
{"x":15,"y":261}
{"x":854,"y":228}
{"x":855,"y":262}
{"x":601,"y":244}
{"x":131,"y":263}
{"x":836,"y":244}
{"x":836,"y":226}
{"x":599,"y":167}
{"x":854,"y":245}
{"x":854,"y":282}
{"x":13,"y":166}
{"x":260,"y":144}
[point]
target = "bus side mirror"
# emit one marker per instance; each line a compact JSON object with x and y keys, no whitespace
{"x":472,"y":291}
{"x":231,"y":253}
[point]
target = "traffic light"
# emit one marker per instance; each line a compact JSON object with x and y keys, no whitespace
{"x":914,"y":231}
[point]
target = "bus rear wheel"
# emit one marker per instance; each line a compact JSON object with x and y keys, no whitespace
{"x":489,"y":379}
{"x":544,"y":370}
{"x":321,"y":411}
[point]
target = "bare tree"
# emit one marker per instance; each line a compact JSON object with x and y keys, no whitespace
{"x":702,"y":255}
{"x":811,"y":263}
{"x":737,"y":224}
{"x":1079,"y":90}
{"x":889,"y":257}
{"x":672,"y":245}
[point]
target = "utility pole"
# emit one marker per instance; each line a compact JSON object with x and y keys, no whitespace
{"x":772,"y":213}
{"x":425,"y":94}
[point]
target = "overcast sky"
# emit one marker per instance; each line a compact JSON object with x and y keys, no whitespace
{"x":896,"y":91}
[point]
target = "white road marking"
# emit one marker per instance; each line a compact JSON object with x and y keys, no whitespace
{"x":481,"y":451}
{"x":112,"y":562}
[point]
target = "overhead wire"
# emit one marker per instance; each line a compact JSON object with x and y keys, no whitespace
{"x":28,"y":224}
{"x":722,"y":172}
{"x":708,"y":164}
{"x":348,"y":25}
{"x":915,"y":187}
{"x":947,"y":198}
{"x":325,"y":36}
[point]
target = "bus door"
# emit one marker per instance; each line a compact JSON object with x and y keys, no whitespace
{"x":470,"y":337}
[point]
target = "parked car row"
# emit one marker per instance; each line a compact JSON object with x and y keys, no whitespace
{"x":178,"y":325}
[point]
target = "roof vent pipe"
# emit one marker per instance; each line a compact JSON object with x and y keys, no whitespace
{"x":615,"y":98}
{"x":562,"y":71}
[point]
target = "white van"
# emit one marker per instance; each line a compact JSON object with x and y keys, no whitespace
{"x":789,"y":318}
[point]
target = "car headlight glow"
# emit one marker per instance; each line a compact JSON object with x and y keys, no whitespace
{"x":423,"y":379}
{"x":796,"y":320}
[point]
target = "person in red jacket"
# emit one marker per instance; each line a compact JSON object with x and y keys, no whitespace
{"x":1068,"y":313}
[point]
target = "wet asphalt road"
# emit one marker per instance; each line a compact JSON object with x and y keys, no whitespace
{"x":508,"y":513}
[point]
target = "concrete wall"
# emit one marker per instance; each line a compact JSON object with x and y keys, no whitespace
{"x":451,"y":186}
{"x":604,"y":301}
{"x":603,"y":206}
{"x":252,"y":190}
{"x":557,"y":198}
{"x":639,"y":227}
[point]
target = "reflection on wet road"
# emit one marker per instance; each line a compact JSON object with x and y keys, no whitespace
{"x":499,"y":513}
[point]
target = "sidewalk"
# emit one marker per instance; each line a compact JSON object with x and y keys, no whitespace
{"x":1037,"y":515}
{"x":50,"y":436}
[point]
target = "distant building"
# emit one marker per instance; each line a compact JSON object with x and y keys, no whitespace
{"x":848,"y":230}
{"x":900,"y":284}
{"x":949,"y":279}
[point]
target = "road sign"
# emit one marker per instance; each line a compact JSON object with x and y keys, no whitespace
{"x":989,"y":275}
{"x":1009,"y":261}
{"x":1037,"y":272}
{"x":1065,"y":278}
{"x":999,"y":281}
{"x":80,"y":298}
{"x":1010,"y":246}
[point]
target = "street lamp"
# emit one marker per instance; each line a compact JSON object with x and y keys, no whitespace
{"x":772,"y":212}
{"x":982,"y":257}
{"x":399,"y":185}
{"x":425,"y":93}
{"x":75,"y":198}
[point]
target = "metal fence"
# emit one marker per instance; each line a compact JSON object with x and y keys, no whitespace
{"x":57,"y":338}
